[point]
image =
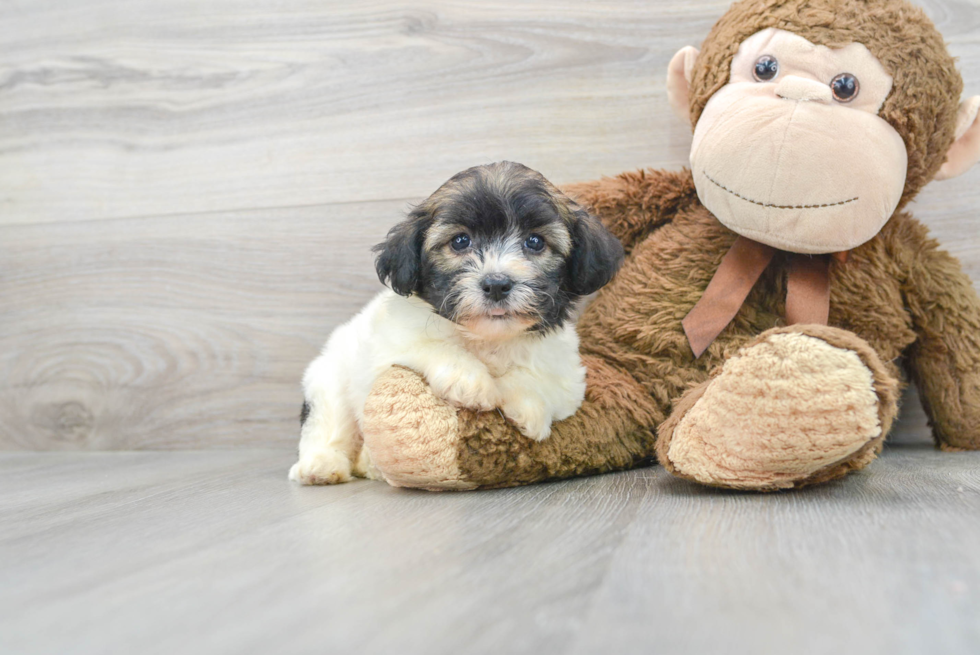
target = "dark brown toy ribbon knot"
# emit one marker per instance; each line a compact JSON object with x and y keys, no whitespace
{"x":807,"y":290}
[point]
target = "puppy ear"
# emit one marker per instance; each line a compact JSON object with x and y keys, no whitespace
{"x":596,"y":254}
{"x":400,"y":255}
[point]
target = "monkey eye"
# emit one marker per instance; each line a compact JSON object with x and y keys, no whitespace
{"x":766,"y":68}
{"x":534,"y":242}
{"x":460,"y":242}
{"x":845,"y":87}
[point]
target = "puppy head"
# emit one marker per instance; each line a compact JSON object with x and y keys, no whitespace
{"x":500,"y":251}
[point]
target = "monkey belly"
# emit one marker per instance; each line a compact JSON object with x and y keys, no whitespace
{"x":635,"y":322}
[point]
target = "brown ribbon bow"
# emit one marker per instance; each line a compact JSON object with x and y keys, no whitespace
{"x":807,"y":290}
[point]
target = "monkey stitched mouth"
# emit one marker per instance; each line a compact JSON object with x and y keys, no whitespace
{"x":765,"y":204}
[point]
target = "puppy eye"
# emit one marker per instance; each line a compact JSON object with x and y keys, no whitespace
{"x":534,"y":242}
{"x":766,"y":68}
{"x":845,"y":87}
{"x":460,"y":242}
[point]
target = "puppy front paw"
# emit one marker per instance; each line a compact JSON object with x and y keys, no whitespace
{"x":528,"y":414}
{"x":321,"y":467}
{"x":470,"y":389}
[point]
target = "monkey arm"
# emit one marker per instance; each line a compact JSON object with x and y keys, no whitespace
{"x":415,"y":439}
{"x":633,"y":204}
{"x":945,"y":359}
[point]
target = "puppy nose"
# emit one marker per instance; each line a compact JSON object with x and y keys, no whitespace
{"x":497,"y":286}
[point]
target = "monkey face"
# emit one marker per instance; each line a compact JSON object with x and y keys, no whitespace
{"x":792,"y":152}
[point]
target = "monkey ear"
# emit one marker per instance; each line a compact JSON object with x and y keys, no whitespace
{"x":679,"y":74}
{"x":965,"y":151}
{"x":596,"y":254}
{"x":400,"y":255}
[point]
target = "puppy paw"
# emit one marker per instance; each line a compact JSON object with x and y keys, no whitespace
{"x":527,"y":413}
{"x":470,"y":389}
{"x":321,"y":467}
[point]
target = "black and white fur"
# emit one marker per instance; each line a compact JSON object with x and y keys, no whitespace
{"x":487,"y":324}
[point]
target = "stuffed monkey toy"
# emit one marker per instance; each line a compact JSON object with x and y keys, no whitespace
{"x":776,"y":297}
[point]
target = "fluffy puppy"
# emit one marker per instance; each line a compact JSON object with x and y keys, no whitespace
{"x":483,"y":277}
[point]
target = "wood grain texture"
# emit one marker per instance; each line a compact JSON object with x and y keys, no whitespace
{"x":189,"y":331}
{"x":215,"y":552}
{"x":188,"y":190}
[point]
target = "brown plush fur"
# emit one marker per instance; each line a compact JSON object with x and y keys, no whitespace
{"x":614,"y":429}
{"x":896,"y":299}
{"x":423,"y":456}
{"x":898,"y":292}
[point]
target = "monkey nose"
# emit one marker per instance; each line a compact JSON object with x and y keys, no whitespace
{"x":792,"y":87}
{"x":496,"y":286}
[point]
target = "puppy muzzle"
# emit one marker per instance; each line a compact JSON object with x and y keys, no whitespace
{"x":496,"y":287}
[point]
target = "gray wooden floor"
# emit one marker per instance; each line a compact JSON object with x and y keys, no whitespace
{"x":212,"y":552}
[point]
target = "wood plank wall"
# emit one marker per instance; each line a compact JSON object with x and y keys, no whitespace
{"x":188,"y":190}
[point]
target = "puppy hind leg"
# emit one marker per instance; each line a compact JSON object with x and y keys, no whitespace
{"x":329,"y":439}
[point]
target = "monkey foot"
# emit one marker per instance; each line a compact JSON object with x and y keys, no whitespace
{"x":411,"y":434}
{"x":796,"y":406}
